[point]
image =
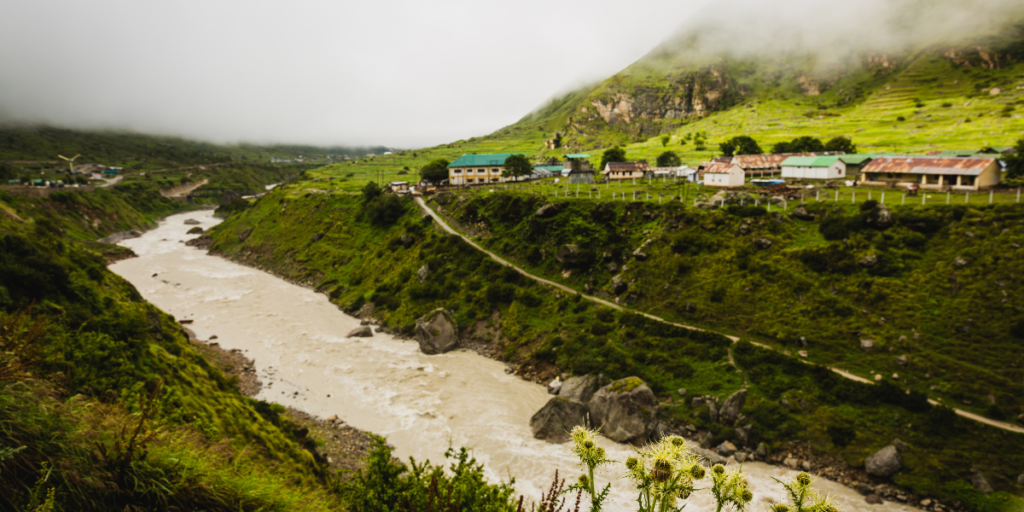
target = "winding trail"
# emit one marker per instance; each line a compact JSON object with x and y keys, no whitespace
{"x":183,"y":190}
{"x":437,"y":218}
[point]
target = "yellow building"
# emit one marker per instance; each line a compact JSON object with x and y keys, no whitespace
{"x":478,"y":169}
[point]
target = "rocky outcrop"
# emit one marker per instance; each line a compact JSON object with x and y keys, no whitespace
{"x":555,"y":420}
{"x":730,"y":410}
{"x":195,"y":231}
{"x":360,"y":332}
{"x":423,"y":273}
{"x":437,"y":332}
{"x":581,"y":388}
{"x":981,"y":484}
{"x":568,"y":254}
{"x":626,"y":411}
{"x":884,"y":463}
{"x":117,"y":237}
{"x":801,"y":213}
{"x":191,"y":222}
{"x":619,"y":284}
{"x":547,"y":211}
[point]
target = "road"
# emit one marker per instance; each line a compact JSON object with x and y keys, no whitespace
{"x":444,"y":225}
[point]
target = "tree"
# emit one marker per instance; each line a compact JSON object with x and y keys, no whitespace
{"x":517,"y":166}
{"x":668,"y":159}
{"x":435,"y":171}
{"x":805,"y":144}
{"x":615,"y":154}
{"x":665,"y":139}
{"x":842,"y":144}
{"x":371,"y":191}
{"x":1015,"y":161}
{"x":740,"y":145}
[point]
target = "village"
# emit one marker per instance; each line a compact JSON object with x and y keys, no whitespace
{"x":946,"y":176}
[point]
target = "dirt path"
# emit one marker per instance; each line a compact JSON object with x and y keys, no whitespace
{"x":848,"y":375}
{"x":183,"y":190}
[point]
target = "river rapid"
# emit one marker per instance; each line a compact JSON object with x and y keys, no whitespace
{"x":422,"y":404}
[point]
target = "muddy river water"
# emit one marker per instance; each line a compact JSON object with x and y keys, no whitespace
{"x":421,"y":403}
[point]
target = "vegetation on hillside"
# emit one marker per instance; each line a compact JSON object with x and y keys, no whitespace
{"x":328,"y":241}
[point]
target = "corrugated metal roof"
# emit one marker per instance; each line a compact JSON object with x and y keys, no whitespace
{"x":578,"y":155}
{"x":480,"y":160}
{"x":628,"y":166}
{"x":720,"y":168}
{"x":928,"y":165}
{"x":552,"y":168}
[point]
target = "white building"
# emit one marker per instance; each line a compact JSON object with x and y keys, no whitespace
{"x":814,"y":168}
{"x":723,"y":175}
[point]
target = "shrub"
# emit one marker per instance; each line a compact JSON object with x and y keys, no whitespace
{"x":841,"y":435}
{"x":385,"y":210}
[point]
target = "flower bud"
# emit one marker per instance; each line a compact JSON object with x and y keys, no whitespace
{"x":662,"y":471}
{"x":746,"y":495}
{"x":683,"y":494}
{"x":718,"y":469}
{"x":803,"y":478}
{"x":588,"y":444}
{"x":698,"y":472}
{"x":780,"y":507}
{"x":600,"y":452}
{"x":631,"y":463}
{"x":583,"y":481}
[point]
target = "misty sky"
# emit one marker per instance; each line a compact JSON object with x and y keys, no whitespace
{"x":397,"y":73}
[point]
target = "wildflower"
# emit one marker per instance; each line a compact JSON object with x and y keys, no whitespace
{"x":718,"y":469}
{"x":697,"y":472}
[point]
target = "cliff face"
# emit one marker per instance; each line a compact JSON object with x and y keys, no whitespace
{"x":634,"y":110}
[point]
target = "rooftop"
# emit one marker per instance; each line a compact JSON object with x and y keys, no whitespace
{"x":480,"y":160}
{"x":928,"y":165}
{"x":810,"y":161}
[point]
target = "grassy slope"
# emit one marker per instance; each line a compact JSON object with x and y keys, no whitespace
{"x":356,"y":262}
{"x":105,"y":342}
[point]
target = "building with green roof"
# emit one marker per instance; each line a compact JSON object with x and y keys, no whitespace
{"x":478,"y":169}
{"x":814,"y":168}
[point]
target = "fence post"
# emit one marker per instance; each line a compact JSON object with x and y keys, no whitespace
{"x":967,"y":196}
{"x":947,"y":197}
{"x":837,"y":195}
{"x":883,"y":197}
{"x":923,"y":196}
{"x":1018,"y":194}
{"x":904,"y":199}
{"x":990,"y":192}
{"x":869,"y":194}
{"x":853,"y":196}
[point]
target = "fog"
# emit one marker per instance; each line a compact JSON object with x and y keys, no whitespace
{"x":835,"y":31}
{"x":397,"y":73}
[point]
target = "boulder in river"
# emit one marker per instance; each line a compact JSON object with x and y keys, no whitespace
{"x":191,"y":222}
{"x":884,"y":463}
{"x":195,"y":231}
{"x":581,"y":388}
{"x":360,"y":332}
{"x":731,"y":407}
{"x":437,"y":332}
{"x":554,"y":421}
{"x":625,"y":410}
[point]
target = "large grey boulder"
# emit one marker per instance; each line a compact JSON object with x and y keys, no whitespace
{"x":981,"y":484}
{"x":884,"y":463}
{"x":423,"y":272}
{"x":619,"y":284}
{"x":730,"y":409}
{"x":191,"y":222}
{"x":555,"y":420}
{"x":710,"y":458}
{"x":625,"y":410}
{"x":801,"y":213}
{"x":360,"y":332}
{"x":546,"y":211}
{"x":437,"y":332}
{"x":581,"y":388}
{"x":568,"y":254}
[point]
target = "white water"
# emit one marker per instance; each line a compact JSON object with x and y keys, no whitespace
{"x":421,"y":403}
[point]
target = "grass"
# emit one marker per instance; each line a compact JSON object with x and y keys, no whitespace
{"x":698,"y":271}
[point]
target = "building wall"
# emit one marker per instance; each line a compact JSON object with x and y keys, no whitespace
{"x":988,"y":178}
{"x":624,"y":175}
{"x":476,"y":175}
{"x":732,"y":179}
{"x":836,"y":171}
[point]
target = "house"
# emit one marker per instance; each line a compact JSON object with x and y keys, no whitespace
{"x":814,"y":168}
{"x":957,"y":173}
{"x":765,"y":165}
{"x":579,"y":169}
{"x":854,"y":163}
{"x":397,"y":187}
{"x":478,"y":169}
{"x":625,"y":170}
{"x":717,"y":174}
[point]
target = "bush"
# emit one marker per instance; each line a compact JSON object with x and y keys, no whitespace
{"x":385,"y":210}
{"x":841,"y":435}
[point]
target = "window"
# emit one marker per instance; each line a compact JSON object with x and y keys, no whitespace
{"x":457,"y":171}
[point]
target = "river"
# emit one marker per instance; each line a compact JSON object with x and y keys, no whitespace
{"x":421,"y":403}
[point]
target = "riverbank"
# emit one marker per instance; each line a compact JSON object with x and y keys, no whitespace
{"x":342,"y":446}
